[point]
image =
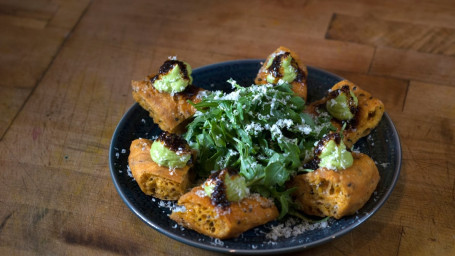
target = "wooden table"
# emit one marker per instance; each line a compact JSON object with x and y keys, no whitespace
{"x":66,"y":68}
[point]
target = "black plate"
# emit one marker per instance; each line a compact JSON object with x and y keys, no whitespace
{"x":382,"y":145}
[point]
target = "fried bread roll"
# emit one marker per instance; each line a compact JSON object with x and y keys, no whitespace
{"x":298,"y":84}
{"x":369,"y":113}
{"x":337,"y":193}
{"x":170,"y":111}
{"x":198,"y":213}
{"x":155,"y":180}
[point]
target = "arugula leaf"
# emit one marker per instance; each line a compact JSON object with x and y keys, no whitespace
{"x":275,"y":174}
{"x":261,"y":130}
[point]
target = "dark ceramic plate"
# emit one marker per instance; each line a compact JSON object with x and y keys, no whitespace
{"x":382,"y":145}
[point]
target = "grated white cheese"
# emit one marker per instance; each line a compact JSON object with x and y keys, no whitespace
{"x":128,"y":171}
{"x":306,"y":129}
{"x":217,"y":242}
{"x":201,"y":193}
{"x":166,"y":204}
{"x":202,"y":94}
{"x":179,"y":208}
{"x":293,"y":227}
{"x":256,"y":128}
{"x":235,"y":95}
{"x":384,"y":165}
{"x":275,"y":129}
{"x":284,"y":123}
{"x":144,"y":146}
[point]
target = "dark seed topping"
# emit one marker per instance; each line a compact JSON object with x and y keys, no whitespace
{"x":350,"y":124}
{"x":321,"y":144}
{"x":275,"y":67}
{"x":219,"y":197}
{"x":314,"y":163}
{"x":168,"y":65}
{"x":174,"y":143}
{"x":190,"y":92}
{"x":300,"y":74}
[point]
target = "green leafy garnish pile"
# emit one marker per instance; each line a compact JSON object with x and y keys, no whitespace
{"x":260,"y":130}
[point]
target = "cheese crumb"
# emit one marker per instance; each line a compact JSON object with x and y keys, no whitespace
{"x":293,"y":227}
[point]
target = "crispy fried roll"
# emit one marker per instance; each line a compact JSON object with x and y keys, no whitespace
{"x":170,"y":111}
{"x":198,"y":213}
{"x":158,"y":181}
{"x":272,"y":71}
{"x":337,"y":193}
{"x":368,"y":113}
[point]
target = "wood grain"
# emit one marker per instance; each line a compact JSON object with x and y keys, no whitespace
{"x":413,"y":65}
{"x":66,"y":67}
{"x":29,"y":43}
{"x":393,"y":34}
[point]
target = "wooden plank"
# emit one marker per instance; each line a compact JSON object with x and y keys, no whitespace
{"x":416,"y":12}
{"x":11,"y":101}
{"x":427,"y":241}
{"x":28,"y":46}
{"x":49,"y":231}
{"x":26,"y":54}
{"x":427,"y":129}
{"x":36,"y":9}
{"x":68,"y":13}
{"x":363,"y":241}
{"x":237,"y":43}
{"x":22,"y":22}
{"x":437,"y":100}
{"x":401,"y":35}
{"x":435,"y":13}
{"x":407,"y":64}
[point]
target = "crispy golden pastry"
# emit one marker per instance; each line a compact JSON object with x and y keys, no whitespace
{"x":369,"y":113}
{"x":198,"y":213}
{"x":170,"y":111}
{"x":155,"y":180}
{"x":298,"y":84}
{"x":337,"y":193}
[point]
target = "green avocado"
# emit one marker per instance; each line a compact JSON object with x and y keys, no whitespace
{"x":289,"y":72}
{"x":236,"y":188}
{"x":209,"y":187}
{"x":173,"y":81}
{"x":165,"y":157}
{"x":339,"y":107}
{"x":335,"y":157}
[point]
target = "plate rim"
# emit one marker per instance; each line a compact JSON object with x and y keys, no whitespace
{"x":258,"y":251}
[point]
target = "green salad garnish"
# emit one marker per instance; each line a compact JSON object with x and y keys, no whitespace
{"x":260,"y":130}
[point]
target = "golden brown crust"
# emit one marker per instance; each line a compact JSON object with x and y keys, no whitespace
{"x":368,"y":116}
{"x":155,"y":180}
{"x":300,"y":88}
{"x":202,"y":216}
{"x":170,"y":112}
{"x":337,"y":193}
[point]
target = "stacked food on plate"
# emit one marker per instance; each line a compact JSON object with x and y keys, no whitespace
{"x":237,"y":160}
